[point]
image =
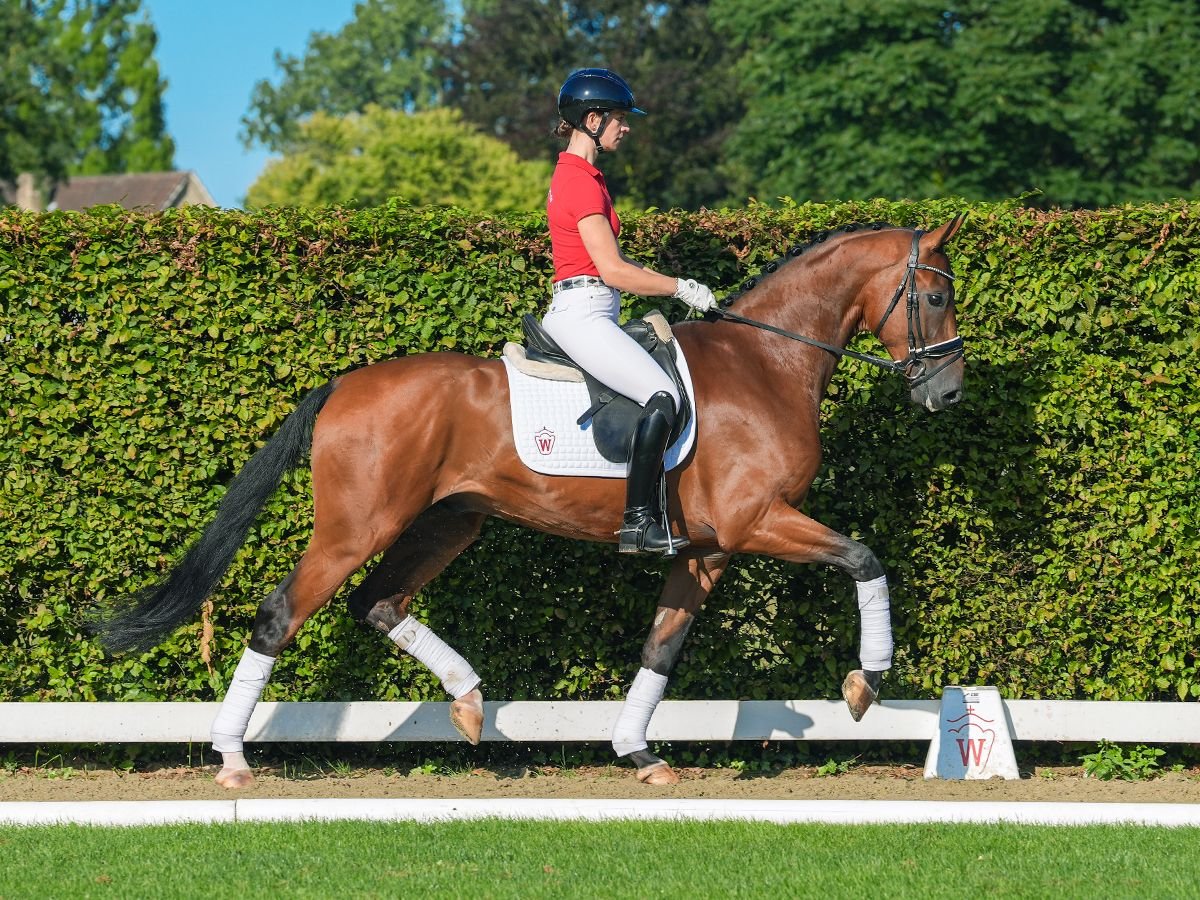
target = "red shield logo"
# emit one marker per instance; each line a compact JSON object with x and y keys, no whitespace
{"x":544,"y":441}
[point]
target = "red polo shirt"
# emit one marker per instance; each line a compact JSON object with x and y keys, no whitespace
{"x":577,"y":190}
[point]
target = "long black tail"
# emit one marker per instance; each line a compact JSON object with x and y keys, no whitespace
{"x":149,"y":615}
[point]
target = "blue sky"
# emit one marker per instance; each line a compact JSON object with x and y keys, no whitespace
{"x":212,"y":53}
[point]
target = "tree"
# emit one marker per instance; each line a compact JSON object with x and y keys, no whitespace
{"x":1090,"y":102}
{"x":388,"y":55}
{"x":502,"y":66}
{"x":123,"y":128}
{"x":428,"y":158}
{"x":37,"y":105}
{"x":81,"y":90}
{"x":506,"y":67}
{"x":505,"y":71}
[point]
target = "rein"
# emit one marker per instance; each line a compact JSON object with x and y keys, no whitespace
{"x":912,"y":367}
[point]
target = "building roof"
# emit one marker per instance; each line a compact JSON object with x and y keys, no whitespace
{"x":153,"y":191}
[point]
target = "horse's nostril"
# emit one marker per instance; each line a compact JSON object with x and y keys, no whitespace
{"x":951,"y":397}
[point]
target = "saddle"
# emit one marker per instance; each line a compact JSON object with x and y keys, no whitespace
{"x":613,"y":416}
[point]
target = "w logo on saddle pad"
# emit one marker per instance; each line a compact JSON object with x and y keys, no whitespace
{"x":555,"y":411}
{"x":544,"y":440}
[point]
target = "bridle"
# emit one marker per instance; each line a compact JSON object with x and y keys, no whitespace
{"x":912,"y":367}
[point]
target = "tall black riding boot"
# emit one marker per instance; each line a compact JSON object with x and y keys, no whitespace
{"x":641,"y":531}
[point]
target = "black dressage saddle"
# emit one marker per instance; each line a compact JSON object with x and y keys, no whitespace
{"x":613,"y":416}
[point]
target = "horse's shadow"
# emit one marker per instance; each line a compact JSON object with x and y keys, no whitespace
{"x":325,"y":721}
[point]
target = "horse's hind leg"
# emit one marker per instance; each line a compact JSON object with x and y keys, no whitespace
{"x":691,"y":580}
{"x":326,"y":564}
{"x":418,"y":556}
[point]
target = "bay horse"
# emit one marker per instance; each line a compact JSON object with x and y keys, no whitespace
{"x":410,"y":455}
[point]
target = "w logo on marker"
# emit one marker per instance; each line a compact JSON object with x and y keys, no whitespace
{"x":978,"y":735}
{"x":971,"y":750}
{"x":544,"y":441}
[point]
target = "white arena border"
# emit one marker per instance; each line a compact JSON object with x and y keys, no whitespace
{"x":581,"y":720}
{"x":571,"y":721}
{"x":779,"y":812}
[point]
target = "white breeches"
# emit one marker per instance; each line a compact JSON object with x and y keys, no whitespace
{"x":583,"y":321}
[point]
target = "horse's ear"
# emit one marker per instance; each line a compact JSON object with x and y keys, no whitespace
{"x":940,"y":237}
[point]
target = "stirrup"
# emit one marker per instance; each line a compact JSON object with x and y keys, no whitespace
{"x":641,"y":533}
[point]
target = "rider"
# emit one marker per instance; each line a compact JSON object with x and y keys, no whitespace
{"x":589,"y":270}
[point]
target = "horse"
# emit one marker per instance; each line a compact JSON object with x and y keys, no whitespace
{"x":410,"y":455}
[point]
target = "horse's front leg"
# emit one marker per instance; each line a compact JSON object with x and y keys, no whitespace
{"x":691,"y":580}
{"x":785,"y":533}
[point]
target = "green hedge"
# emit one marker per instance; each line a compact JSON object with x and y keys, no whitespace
{"x":1041,"y":537}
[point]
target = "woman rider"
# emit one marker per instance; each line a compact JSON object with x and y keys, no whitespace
{"x":590,"y":270}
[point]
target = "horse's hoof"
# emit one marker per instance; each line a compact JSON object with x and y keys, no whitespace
{"x":658,"y":773}
{"x":466,"y":715}
{"x":858,"y":694}
{"x":232,"y":779}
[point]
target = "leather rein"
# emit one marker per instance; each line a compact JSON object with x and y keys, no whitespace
{"x":912,"y":367}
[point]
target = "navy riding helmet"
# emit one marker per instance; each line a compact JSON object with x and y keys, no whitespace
{"x":600,"y":90}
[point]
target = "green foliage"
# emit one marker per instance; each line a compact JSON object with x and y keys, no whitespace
{"x":1040,"y":537}
{"x":1111,"y":761}
{"x":388,"y":55}
{"x":428,"y":158}
{"x":1089,"y":103}
{"x":1080,"y":103}
{"x":82,"y":90}
{"x":835,"y":767}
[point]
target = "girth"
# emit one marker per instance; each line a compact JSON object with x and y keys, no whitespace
{"x":613,"y":416}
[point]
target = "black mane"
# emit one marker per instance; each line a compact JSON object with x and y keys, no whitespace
{"x":794,"y":252}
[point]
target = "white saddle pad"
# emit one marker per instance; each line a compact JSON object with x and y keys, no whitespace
{"x":549,"y":440}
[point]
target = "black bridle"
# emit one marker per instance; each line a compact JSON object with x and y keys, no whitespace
{"x":912,"y":367}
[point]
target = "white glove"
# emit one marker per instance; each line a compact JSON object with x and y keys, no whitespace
{"x":694,"y":294}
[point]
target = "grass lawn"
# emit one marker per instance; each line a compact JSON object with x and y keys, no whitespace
{"x":579,"y":859}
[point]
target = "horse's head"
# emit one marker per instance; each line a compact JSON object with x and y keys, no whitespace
{"x":915,"y":320}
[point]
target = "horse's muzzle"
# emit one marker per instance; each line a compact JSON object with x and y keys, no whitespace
{"x":938,"y":393}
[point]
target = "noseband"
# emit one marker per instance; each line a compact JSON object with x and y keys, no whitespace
{"x":912,"y":367}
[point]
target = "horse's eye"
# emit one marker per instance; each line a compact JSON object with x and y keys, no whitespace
{"x":937,"y":299}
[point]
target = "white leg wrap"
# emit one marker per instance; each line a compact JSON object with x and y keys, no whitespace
{"x":875,"y":613}
{"x":415,"y":639}
{"x":629,"y":731}
{"x":249,"y":678}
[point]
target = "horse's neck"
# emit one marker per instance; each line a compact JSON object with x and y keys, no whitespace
{"x":817,"y":298}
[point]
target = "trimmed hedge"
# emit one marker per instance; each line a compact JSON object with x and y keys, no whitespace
{"x":1041,"y":537}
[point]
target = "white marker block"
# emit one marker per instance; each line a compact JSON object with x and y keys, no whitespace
{"x":973,"y":740}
